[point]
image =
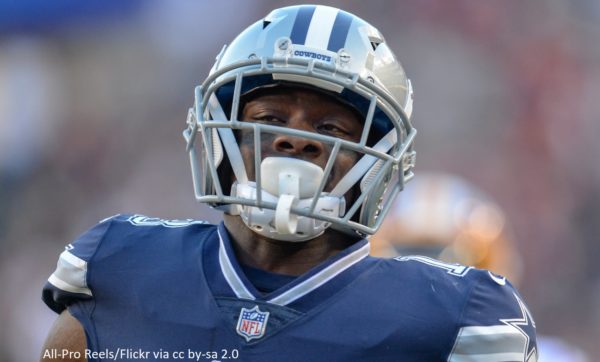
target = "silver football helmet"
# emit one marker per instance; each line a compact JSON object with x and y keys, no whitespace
{"x":326,"y":49}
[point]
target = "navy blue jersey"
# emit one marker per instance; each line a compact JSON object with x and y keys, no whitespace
{"x":175,"y":289}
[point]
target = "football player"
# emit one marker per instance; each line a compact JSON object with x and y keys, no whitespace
{"x":301,"y":135}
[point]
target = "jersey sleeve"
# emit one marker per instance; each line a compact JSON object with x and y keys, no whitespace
{"x":495,"y":325}
{"x":68,"y":284}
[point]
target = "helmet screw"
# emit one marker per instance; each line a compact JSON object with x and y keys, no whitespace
{"x":344,"y":56}
{"x":252,"y":56}
{"x":283,"y":44}
{"x":371,"y":79}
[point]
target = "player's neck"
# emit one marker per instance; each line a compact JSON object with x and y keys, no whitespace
{"x":290,"y":258}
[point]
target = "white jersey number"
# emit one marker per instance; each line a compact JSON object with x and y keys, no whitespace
{"x":454,"y":269}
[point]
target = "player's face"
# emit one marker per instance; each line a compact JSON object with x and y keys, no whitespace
{"x":305,"y":110}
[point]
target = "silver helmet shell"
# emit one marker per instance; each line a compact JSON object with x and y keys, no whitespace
{"x":326,"y":49}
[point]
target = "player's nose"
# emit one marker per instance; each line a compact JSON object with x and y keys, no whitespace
{"x":298,"y":146}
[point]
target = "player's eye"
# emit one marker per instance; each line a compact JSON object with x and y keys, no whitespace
{"x":268,"y":119}
{"x":333,"y":129}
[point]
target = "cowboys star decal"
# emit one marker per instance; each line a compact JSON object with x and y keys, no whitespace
{"x":525,"y":325}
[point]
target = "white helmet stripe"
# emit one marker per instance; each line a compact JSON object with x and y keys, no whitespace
{"x":320,"y":27}
{"x":339,"y":33}
{"x":301,"y":24}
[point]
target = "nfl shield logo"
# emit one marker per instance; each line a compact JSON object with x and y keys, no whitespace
{"x":252,"y":323}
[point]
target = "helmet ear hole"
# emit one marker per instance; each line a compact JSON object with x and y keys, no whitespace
{"x":217,"y":147}
{"x":371,"y":175}
{"x":379,"y":190}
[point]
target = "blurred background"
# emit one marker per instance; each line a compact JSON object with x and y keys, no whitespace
{"x":94,"y":96}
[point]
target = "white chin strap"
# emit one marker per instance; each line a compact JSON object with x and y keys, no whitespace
{"x":287,"y":182}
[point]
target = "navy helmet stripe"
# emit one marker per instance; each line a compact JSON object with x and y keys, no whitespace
{"x":301,"y":24}
{"x":339,"y":33}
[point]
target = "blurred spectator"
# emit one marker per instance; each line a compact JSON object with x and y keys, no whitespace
{"x":445,"y":217}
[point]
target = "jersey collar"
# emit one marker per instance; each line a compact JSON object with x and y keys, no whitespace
{"x":325,"y":278}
